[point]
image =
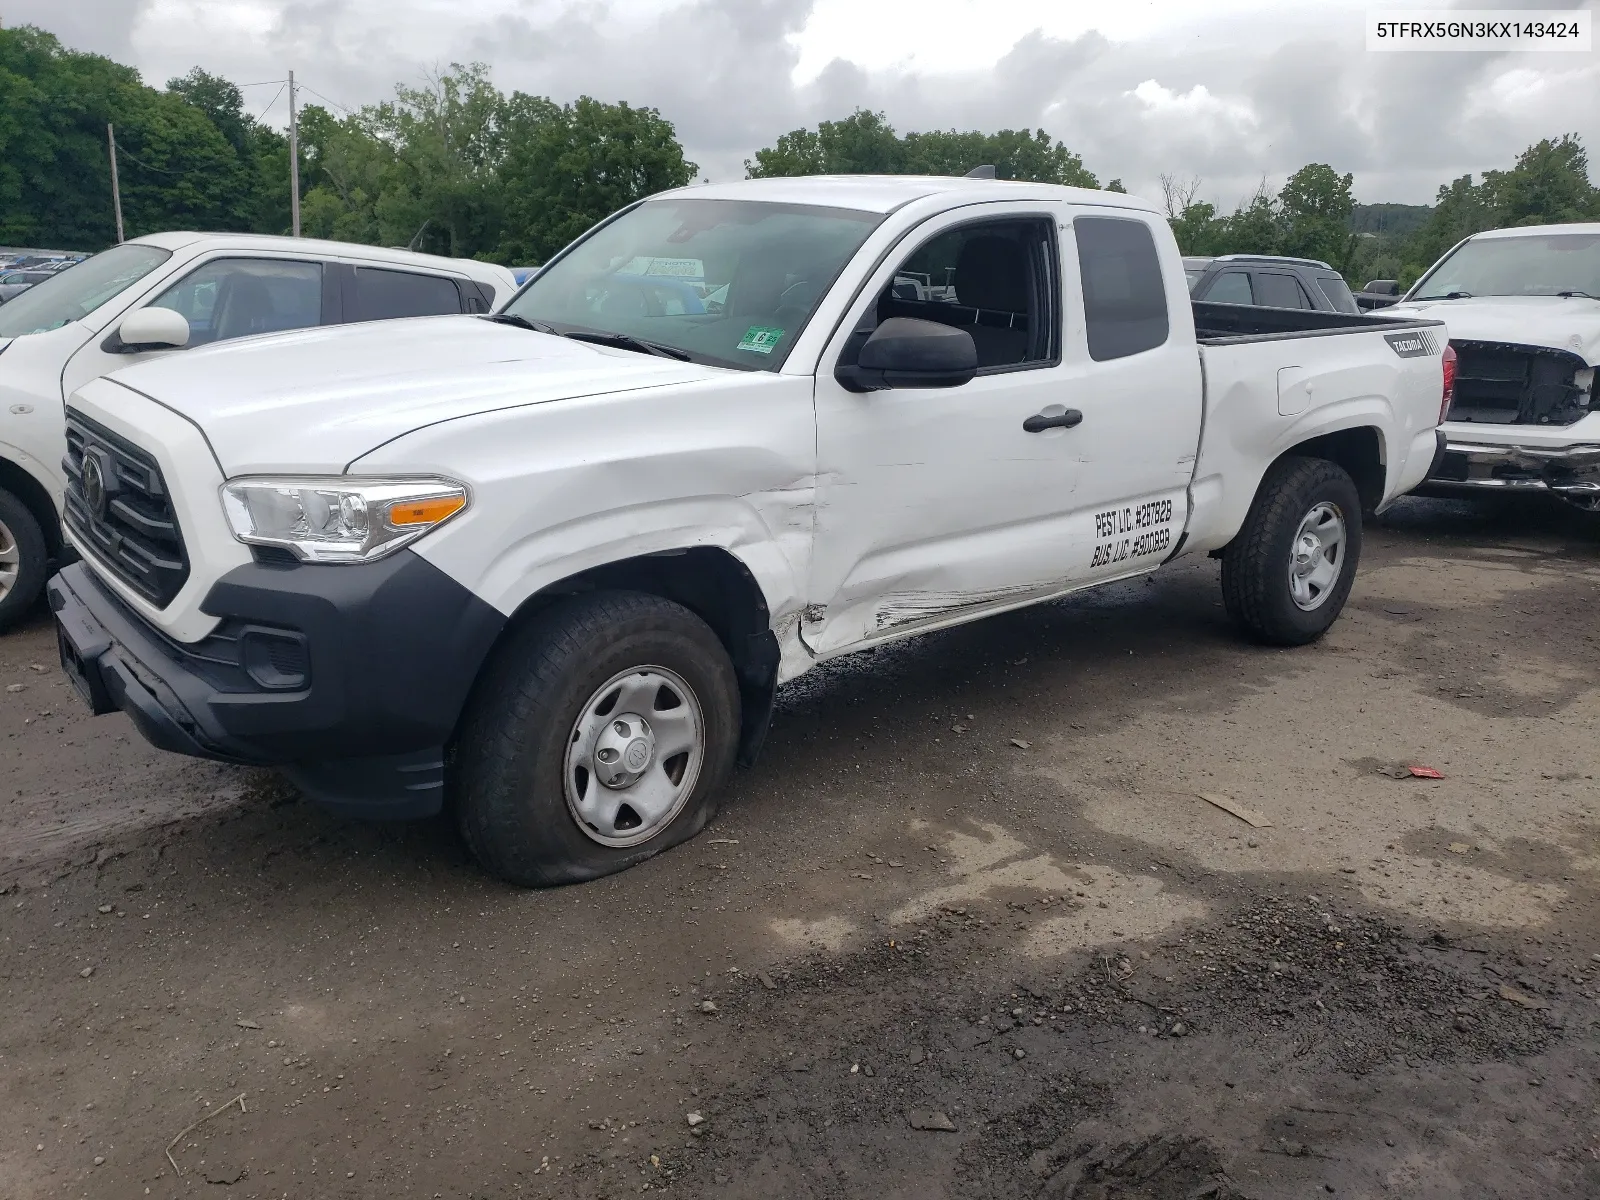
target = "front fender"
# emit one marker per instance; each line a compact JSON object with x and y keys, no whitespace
{"x":568,"y":486}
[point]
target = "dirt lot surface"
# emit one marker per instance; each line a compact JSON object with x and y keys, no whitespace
{"x":969,"y":929}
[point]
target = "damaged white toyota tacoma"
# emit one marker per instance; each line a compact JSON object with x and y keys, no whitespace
{"x":548,"y":567}
{"x":1523,"y":307}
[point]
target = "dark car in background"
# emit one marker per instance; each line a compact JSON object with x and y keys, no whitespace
{"x":1269,"y":281}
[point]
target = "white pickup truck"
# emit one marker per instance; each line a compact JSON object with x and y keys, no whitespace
{"x":171,"y":292}
{"x":1523,"y":306}
{"x":550,"y":566}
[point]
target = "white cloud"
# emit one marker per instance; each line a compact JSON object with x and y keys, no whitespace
{"x":1232,"y":91}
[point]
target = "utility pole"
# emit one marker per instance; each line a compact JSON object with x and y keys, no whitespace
{"x":116,"y":189}
{"x":294,"y":160}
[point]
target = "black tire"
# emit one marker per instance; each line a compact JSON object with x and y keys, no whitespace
{"x":1256,"y":564}
{"x":19,"y":528}
{"x":508,"y":769}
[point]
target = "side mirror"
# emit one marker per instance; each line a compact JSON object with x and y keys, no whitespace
{"x":904,"y":352}
{"x":1383,"y":287}
{"x":152,"y":329}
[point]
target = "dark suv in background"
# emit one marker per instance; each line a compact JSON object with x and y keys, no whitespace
{"x":1269,"y":282}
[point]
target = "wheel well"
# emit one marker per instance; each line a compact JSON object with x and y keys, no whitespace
{"x":32,"y":494}
{"x":1360,"y":452}
{"x":721,"y":591}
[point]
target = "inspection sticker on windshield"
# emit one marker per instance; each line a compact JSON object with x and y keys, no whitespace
{"x":760,"y":338}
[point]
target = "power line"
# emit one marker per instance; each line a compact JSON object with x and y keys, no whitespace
{"x":320,"y":96}
{"x":263,"y":83}
{"x":271,"y":102}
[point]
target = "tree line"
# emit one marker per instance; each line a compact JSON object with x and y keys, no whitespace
{"x":457,"y":167}
{"x":1314,"y":214}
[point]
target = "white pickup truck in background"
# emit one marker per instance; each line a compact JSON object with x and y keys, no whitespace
{"x":167,"y":292}
{"x":550,"y":566}
{"x":1523,"y":306}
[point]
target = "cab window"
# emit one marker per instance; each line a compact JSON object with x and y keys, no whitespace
{"x":1277,"y":290}
{"x":1231,"y":287}
{"x":237,"y":297}
{"x":995,"y":279}
{"x":1124,"y":294}
{"x":382,"y":294}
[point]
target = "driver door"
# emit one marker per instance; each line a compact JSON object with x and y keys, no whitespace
{"x":935,"y":503}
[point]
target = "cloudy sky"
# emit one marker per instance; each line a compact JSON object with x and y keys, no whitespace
{"x":1229,"y":91}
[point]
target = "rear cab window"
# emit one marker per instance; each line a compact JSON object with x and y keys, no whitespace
{"x":1124,"y":294}
{"x":383,"y":293}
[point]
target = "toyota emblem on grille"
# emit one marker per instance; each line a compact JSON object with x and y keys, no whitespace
{"x":94,"y":486}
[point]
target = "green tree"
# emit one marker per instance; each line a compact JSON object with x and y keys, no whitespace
{"x":262,"y":152}
{"x":1313,"y":210}
{"x":1549,"y":183}
{"x":177,"y":169}
{"x":346,"y":165}
{"x":442,"y":188}
{"x":864,"y":143}
{"x":1252,"y":228}
{"x":567,"y":166}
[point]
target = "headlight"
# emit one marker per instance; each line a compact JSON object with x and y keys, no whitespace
{"x":340,"y":519}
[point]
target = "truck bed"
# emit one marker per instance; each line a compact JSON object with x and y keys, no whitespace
{"x":1272,"y":373}
{"x":1218,"y":324}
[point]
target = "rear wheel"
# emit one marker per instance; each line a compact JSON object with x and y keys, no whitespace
{"x":24,"y":560}
{"x":1287,"y":575}
{"x":599,"y":737}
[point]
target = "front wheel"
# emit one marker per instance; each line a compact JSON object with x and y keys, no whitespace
{"x":1287,"y":575}
{"x":24,"y":560}
{"x":599,"y":737}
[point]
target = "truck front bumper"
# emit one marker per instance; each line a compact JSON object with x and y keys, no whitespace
{"x":1571,"y":472}
{"x":348,"y":678}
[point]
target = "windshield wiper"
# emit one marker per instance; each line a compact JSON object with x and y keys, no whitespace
{"x":520,"y":322}
{"x":1567,"y":295}
{"x":623,"y":341}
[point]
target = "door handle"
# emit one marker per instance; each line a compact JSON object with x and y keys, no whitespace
{"x":1038,"y":423}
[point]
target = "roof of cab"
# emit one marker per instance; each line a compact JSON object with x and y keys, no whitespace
{"x":183,"y":239}
{"x":1536,"y":230}
{"x":885,"y":193}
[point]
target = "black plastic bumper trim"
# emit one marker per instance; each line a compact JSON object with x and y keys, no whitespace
{"x":394,"y":648}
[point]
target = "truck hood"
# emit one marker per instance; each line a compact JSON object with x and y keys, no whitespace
{"x":1570,"y":323}
{"x":313,"y":401}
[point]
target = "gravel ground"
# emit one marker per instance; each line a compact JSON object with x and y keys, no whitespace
{"x":968,"y":929}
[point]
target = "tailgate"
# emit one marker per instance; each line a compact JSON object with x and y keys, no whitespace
{"x":1266,"y":394}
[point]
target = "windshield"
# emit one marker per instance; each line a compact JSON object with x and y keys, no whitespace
{"x":76,"y":293}
{"x":1536,"y":265}
{"x":729,"y":282}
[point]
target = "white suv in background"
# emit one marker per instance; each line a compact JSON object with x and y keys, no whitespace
{"x":168,"y":292}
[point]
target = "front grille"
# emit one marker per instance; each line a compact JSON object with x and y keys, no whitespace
{"x":1500,"y":383}
{"x":128,"y":524}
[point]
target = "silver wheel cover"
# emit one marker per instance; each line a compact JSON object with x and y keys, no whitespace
{"x":634,"y":756}
{"x":1316,"y":556}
